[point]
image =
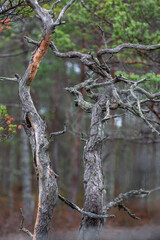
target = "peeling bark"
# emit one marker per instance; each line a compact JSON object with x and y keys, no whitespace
{"x":38,"y":56}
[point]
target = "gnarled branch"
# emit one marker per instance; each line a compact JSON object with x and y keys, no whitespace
{"x":127,"y":45}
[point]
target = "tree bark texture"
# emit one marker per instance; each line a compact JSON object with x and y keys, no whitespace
{"x":93,"y":177}
{"x":35,"y":128}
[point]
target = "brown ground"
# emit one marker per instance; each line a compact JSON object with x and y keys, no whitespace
{"x":146,"y":232}
{"x":65,"y":224}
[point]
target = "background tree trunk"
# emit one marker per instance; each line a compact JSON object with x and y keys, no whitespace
{"x":11,"y":174}
{"x":27,"y":201}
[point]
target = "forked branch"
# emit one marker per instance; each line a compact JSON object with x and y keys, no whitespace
{"x":123,"y":197}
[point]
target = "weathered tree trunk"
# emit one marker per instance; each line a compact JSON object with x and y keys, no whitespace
{"x":35,"y":128}
{"x":93,"y":178}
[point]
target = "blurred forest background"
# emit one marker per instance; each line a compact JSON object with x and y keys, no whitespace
{"x":131,"y":155}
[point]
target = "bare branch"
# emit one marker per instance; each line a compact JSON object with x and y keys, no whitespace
{"x":87,"y":59}
{"x":88,"y":214}
{"x":102,"y":84}
{"x":132,"y":215}
{"x":68,"y":54}
{"x":59,"y":19}
{"x":154,"y":190}
{"x":11,"y":55}
{"x":132,"y":62}
{"x":107,"y":117}
{"x":83,"y":139}
{"x":86,"y":106}
{"x":21,"y":227}
{"x":30,"y":40}
{"x":151,"y":126}
{"x":127,"y":45}
{"x":103,"y":36}
{"x":56,"y":134}
{"x":8,"y":79}
{"x":123,"y":197}
{"x":86,"y":84}
{"x":54,"y":4}
{"x":149,"y":95}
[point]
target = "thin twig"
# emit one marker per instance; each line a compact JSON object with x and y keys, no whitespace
{"x":11,"y":54}
{"x":132,"y":215}
{"x":21,"y":227}
{"x":112,"y":116}
{"x":30,"y":40}
{"x":59,"y":19}
{"x":54,"y":4}
{"x":8,"y":79}
{"x":57,"y":133}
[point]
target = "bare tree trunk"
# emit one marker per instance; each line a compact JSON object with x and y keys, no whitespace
{"x":93,"y":178}
{"x":11,"y":173}
{"x":35,"y":128}
{"x":27,"y":201}
{"x":26,"y":176}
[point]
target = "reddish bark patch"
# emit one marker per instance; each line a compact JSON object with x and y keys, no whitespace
{"x":38,"y":56}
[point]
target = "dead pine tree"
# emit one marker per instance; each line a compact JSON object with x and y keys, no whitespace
{"x":34,"y":125}
{"x":132,"y":97}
